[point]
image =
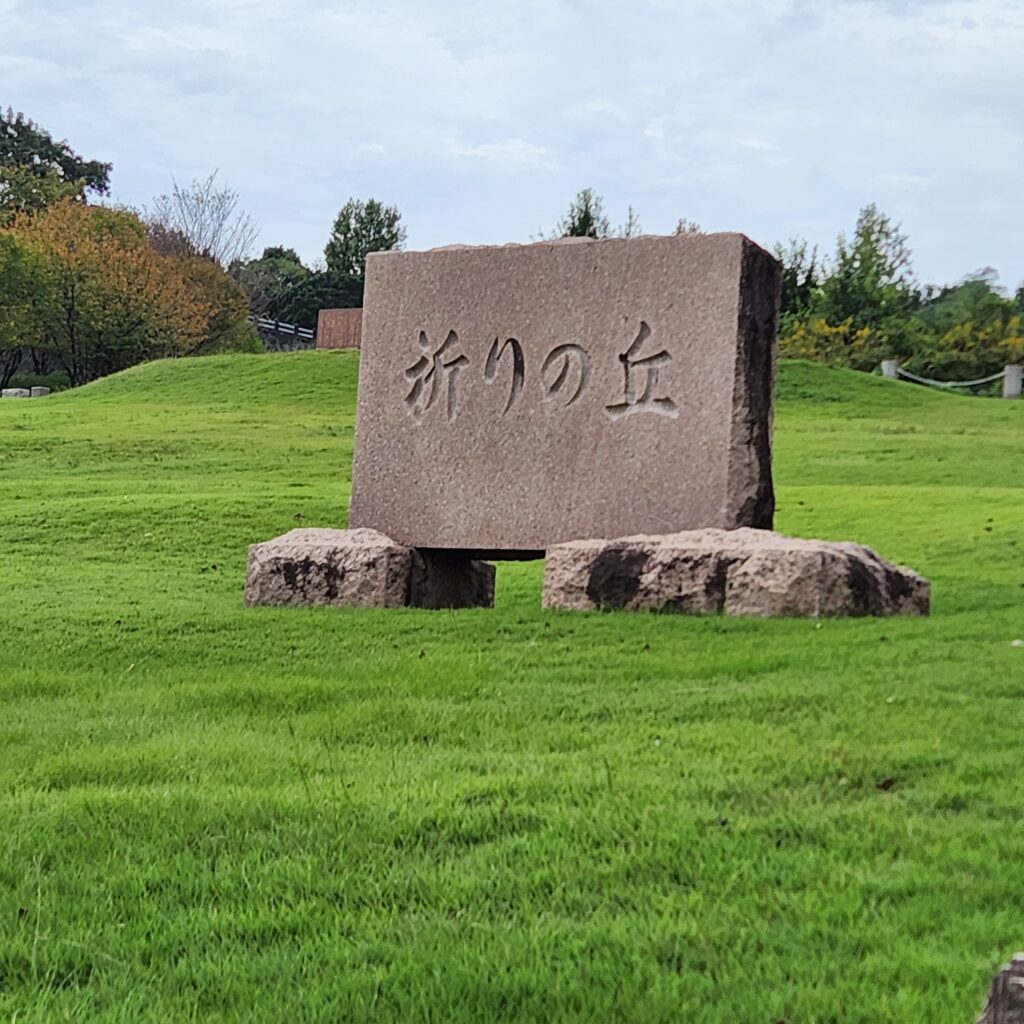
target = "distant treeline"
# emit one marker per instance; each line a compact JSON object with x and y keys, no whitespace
{"x":86,"y":289}
{"x":863,"y":305}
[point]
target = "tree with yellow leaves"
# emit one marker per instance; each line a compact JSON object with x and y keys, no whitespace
{"x":102,"y":298}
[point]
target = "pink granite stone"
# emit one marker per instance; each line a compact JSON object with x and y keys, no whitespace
{"x":362,"y":569}
{"x":1005,"y":1004}
{"x":743,"y":572}
{"x":515,"y":397}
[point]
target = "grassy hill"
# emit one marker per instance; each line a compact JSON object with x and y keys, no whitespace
{"x":220,"y":814}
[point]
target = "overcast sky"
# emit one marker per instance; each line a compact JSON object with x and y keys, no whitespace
{"x":482,"y":120}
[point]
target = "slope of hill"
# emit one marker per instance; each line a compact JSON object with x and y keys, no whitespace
{"x":214,"y":813}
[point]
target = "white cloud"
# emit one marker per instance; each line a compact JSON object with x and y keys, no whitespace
{"x":770,"y":116}
{"x":507,"y":151}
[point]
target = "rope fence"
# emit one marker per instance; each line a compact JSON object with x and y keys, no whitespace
{"x":1012,"y":377}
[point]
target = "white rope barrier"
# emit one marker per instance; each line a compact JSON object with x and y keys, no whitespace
{"x":950,"y":383}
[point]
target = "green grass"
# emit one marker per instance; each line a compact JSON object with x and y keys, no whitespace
{"x":219,"y":814}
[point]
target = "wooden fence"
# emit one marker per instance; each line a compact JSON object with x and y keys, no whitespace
{"x":282,"y":337}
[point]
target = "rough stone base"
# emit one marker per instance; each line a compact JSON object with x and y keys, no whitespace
{"x":362,"y":569}
{"x":1006,"y":998}
{"x":738,"y":572}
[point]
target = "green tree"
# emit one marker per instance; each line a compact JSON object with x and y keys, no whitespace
{"x":17,"y":278}
{"x":586,"y":218}
{"x":359,"y":229}
{"x":322,"y":289}
{"x":802,"y":274}
{"x":24,"y":144}
{"x":271,"y":280}
{"x":280,"y":252}
{"x":970,"y":329}
{"x":871,"y":284}
{"x":24,"y":191}
{"x":36,"y":171}
{"x":687,"y":227}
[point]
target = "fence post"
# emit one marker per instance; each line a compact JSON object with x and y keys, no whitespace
{"x":1013,"y":381}
{"x":891,"y":368}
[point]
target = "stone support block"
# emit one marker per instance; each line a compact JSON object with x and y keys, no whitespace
{"x":739,"y":572}
{"x":361,"y":569}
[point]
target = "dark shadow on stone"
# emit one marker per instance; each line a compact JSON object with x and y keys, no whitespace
{"x":615,"y":577}
{"x":864,"y":596}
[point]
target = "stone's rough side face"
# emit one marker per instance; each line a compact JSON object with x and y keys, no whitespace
{"x":514,"y":397}
{"x":362,"y":569}
{"x":15,"y":393}
{"x":1006,"y":998}
{"x":739,"y":572}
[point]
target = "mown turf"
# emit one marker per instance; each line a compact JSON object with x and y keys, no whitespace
{"x":219,"y":814}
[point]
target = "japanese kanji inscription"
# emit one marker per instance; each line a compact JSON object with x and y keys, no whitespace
{"x":514,"y":397}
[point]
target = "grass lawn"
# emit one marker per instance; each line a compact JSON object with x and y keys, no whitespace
{"x":219,"y":814}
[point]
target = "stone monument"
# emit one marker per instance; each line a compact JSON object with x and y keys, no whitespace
{"x":516,"y":399}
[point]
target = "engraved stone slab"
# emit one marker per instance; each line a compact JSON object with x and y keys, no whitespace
{"x":515,"y":397}
{"x":361,"y":569}
{"x":39,"y":392}
{"x":738,"y":572}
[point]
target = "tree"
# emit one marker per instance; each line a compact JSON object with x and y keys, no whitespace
{"x":802,"y":273}
{"x":102,"y":299}
{"x":23,"y":191}
{"x":631,"y":228}
{"x":871,"y":281}
{"x":168,"y":241}
{"x":36,"y":172}
{"x":16,"y":279}
{"x":688,"y":227}
{"x":226,"y":322}
{"x":585,"y":217}
{"x":271,"y":280}
{"x":359,"y":229}
{"x":970,"y":329}
{"x":320,"y":289}
{"x":206,"y":218}
{"x":25,"y":145}
{"x":280,"y":252}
